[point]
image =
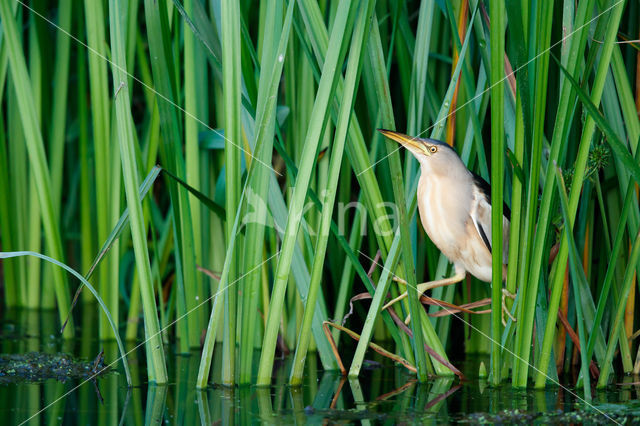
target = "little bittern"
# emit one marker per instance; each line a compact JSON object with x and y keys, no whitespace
{"x":455,"y":210}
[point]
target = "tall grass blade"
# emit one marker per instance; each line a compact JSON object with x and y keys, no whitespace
{"x":612,"y":343}
{"x":577,"y":274}
{"x":101,"y":126}
{"x":534,"y":235}
{"x":194,"y":85}
{"x":497,"y":178}
{"x":356,"y":149}
{"x":356,"y":54}
{"x":231,"y":89}
{"x":272,"y":63}
{"x":613,"y":21}
{"x":35,"y":149}
{"x":59,"y":108}
{"x":157,"y":368}
{"x":165,"y":82}
{"x":319,"y":115}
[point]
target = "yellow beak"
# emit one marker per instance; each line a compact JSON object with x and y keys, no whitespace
{"x":405,"y":140}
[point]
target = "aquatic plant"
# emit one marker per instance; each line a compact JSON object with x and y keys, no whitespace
{"x":281,"y":209}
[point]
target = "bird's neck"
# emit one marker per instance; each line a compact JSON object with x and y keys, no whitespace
{"x":454,"y":174}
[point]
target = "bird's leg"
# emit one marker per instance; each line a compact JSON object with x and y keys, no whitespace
{"x":506,"y":293}
{"x":459,"y":276}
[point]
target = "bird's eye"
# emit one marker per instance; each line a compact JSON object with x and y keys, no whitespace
{"x":433,"y":148}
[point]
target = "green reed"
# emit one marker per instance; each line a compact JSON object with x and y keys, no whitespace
{"x":264,"y":119}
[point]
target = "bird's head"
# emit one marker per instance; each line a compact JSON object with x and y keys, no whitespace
{"x":431,"y":153}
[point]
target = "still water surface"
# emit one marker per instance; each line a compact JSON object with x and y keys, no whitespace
{"x":383,"y":395}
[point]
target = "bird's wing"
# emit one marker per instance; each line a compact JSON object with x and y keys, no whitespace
{"x":481,"y":216}
{"x":485,"y":189}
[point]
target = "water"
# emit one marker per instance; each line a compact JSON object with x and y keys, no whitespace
{"x":384,"y":393}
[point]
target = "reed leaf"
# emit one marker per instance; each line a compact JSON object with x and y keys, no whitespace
{"x":157,"y":368}
{"x":579,"y":280}
{"x":162,"y":66}
{"x":341,"y":28}
{"x":101,"y":126}
{"x":272,"y":63}
{"x":497,"y":177}
{"x":356,"y":53}
{"x":35,"y":149}
{"x":580,"y":165}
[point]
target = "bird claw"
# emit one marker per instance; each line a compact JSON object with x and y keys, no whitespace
{"x":392,"y":301}
{"x":506,"y":293}
{"x":421,"y":288}
{"x":399,"y":280}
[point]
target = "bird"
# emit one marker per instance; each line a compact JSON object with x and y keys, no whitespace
{"x":454,"y":205}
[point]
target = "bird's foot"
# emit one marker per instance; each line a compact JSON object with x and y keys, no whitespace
{"x":397,"y":299}
{"x":399,"y":280}
{"x":425,"y":286}
{"x":506,"y":293}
